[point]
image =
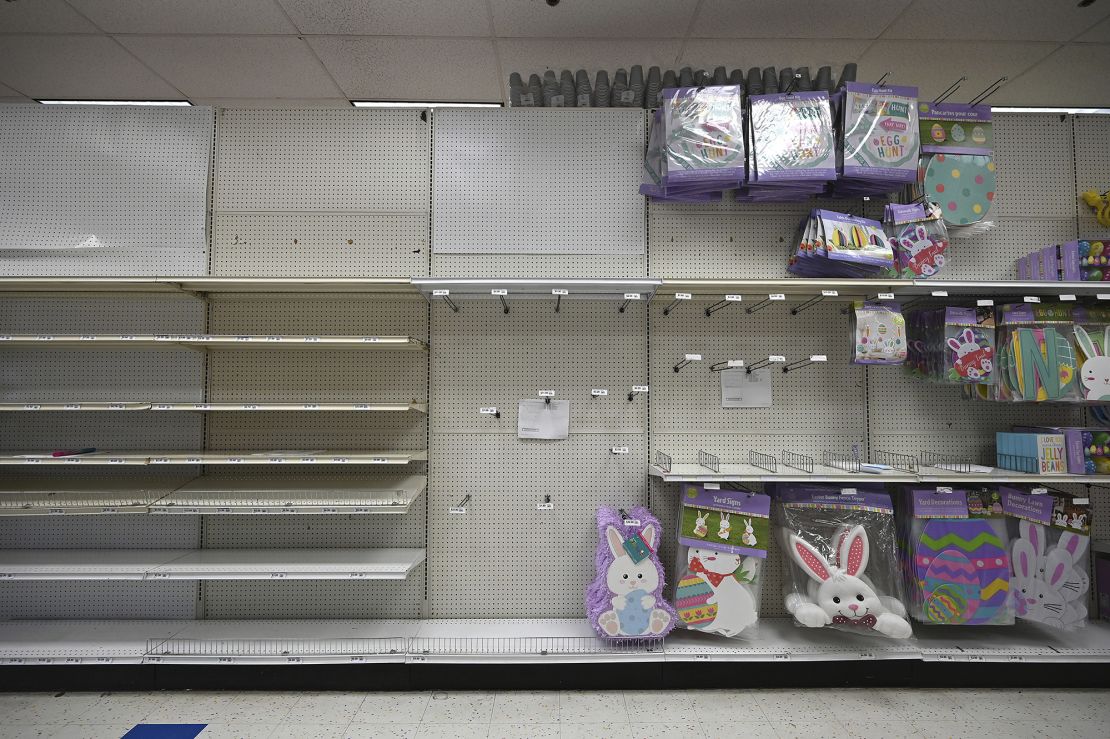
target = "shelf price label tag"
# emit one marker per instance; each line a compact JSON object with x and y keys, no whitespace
{"x":639,"y":388}
{"x":1039,"y":491}
{"x":631,"y":522}
{"x":1081,"y":501}
{"x":545,"y":506}
{"x":985,"y":303}
{"x":546,"y":393}
{"x":847,"y":491}
{"x":311,"y":406}
{"x":818,"y":358}
{"x":372,"y":339}
{"x":944,"y":490}
{"x":632,"y":296}
{"x":735,"y":363}
{"x":1103,"y":296}
{"x":734,"y":298}
{"x":1031,"y":299}
{"x":293,"y":660}
{"x":35,"y":407}
{"x":1067,"y":298}
{"x":379,"y":460}
{"x":162,"y":407}
{"x":830,"y":294}
{"x":619,"y":450}
{"x":683,"y":296}
{"x":498,"y":291}
{"x":457,"y":511}
{"x":940,"y":293}
{"x":559,"y":291}
{"x":599,"y":392}
{"x":693,"y":357}
{"x":278,"y":575}
{"x":711,"y":485}
{"x":777,"y":296}
{"x":440,"y":293}
{"x":782,"y":657}
{"x":490,"y":411}
{"x":777,"y":358}
{"x":886,"y":296}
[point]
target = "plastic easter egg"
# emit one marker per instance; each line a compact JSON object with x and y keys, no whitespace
{"x":937,"y":132}
{"x":1089,"y":467}
{"x":978,"y":135}
{"x":1106,"y":274}
{"x":1102,"y":437}
{"x":1102,"y":465}
{"x":1094,"y":274}
{"x":951,"y":589}
{"x":1088,"y":438}
{"x":1096,"y":248}
{"x":1084,"y":248}
{"x":690,"y":596}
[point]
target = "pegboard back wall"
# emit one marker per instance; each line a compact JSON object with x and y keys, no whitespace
{"x":135,"y":179}
{"x":317,"y":193}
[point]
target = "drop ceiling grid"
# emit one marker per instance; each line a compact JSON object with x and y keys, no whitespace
{"x":1092,"y":168}
{"x":483,"y":357}
{"x":490,"y":165}
{"x":136,"y":178}
{"x":322,"y":193}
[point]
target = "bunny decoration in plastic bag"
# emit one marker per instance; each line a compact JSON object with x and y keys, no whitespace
{"x":1050,"y":588}
{"x":625,"y":600}
{"x":1095,"y":373}
{"x":838,"y":593}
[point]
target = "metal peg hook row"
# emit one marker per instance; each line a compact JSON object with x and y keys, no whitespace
{"x":758,"y":365}
{"x":624,"y":305}
{"x":722,"y":304}
{"x":991,"y":89}
{"x":451,"y":303}
{"x":758,"y":306}
{"x":800,"y":363}
{"x":722,"y":366}
{"x":809,"y":303}
{"x":949,"y":91}
{"x":669,"y":308}
{"x":678,"y":367}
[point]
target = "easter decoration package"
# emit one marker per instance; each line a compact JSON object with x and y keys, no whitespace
{"x":831,"y":244}
{"x":625,"y":600}
{"x":1036,"y":359}
{"x":703,"y":139}
{"x":844,"y":574}
{"x":957,"y":162}
{"x":956,"y":557}
{"x":722,"y":541}
{"x":880,"y":143}
{"x":793,"y":149}
{"x":879,"y":334}
{"x":1049,"y":557}
{"x":919,"y":238}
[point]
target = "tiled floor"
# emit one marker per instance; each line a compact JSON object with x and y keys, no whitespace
{"x":570,"y":715}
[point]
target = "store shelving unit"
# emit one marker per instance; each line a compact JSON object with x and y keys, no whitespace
{"x":826,"y":474}
{"x":245,"y":341}
{"x":324,"y":406}
{"x":208,"y":564}
{"x":230,"y":457}
{"x":203,"y":285}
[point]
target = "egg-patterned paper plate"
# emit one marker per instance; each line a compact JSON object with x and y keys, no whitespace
{"x":963,"y":185}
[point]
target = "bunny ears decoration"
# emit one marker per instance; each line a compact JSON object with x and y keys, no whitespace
{"x":625,"y":600}
{"x":1095,"y":372}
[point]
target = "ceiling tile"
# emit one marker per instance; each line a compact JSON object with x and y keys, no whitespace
{"x":194,"y":16}
{"x":7,"y":92}
{"x":1099,"y":33}
{"x":390,"y":17}
{"x":795,"y":18}
{"x":537,"y":55}
{"x":235,"y":66}
{"x":392,"y":68}
{"x":267,"y":103}
{"x":592,"y":19}
{"x":745,"y":53}
{"x":79,"y":68}
{"x":42,"y":16}
{"x":1073,"y":76}
{"x":934,"y":65}
{"x":7,"y":101}
{"x":995,"y":20}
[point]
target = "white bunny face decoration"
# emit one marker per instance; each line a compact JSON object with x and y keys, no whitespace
{"x":841,"y":596}
{"x":1095,"y":372}
{"x":624,"y":575}
{"x":726,"y":526}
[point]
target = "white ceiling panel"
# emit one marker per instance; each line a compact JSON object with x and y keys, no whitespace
{"x":997,"y":20}
{"x":7,"y":92}
{"x":79,"y":68}
{"x":536,"y":55}
{"x":42,"y":16}
{"x":390,"y":17}
{"x":193,"y":16}
{"x":6,"y":101}
{"x":1099,"y":34}
{"x":267,"y":103}
{"x":795,"y":18}
{"x":394,"y":68}
{"x":746,"y":53}
{"x":1073,"y":76}
{"x":592,"y":19}
{"x":933,"y":65}
{"x":236,"y":66}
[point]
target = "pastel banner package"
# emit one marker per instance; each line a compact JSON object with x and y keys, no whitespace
{"x":956,"y":128}
{"x":1049,"y":557}
{"x":956,"y":557}
{"x":1036,"y":358}
{"x":722,"y":537}
{"x":844,"y":561}
{"x":879,"y":135}
{"x":703,"y":137}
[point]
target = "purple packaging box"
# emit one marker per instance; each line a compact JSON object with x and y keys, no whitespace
{"x":1068,"y":254}
{"x":1022,"y":266}
{"x":1073,"y":444}
{"x":1049,"y":264}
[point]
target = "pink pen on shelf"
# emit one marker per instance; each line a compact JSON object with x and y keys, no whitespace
{"x":72,"y":452}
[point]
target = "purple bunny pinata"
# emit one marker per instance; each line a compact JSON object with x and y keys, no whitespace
{"x":625,"y":600}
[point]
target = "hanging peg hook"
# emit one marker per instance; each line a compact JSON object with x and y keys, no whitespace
{"x":722,"y":304}
{"x":813,"y":359}
{"x":636,"y":390}
{"x":772,"y":298}
{"x":949,"y":90}
{"x":687,"y":359}
{"x":991,"y":89}
{"x":678,"y":298}
{"x":446,"y":295}
{"x":794,"y":83}
{"x":729,"y":364}
{"x":559,"y":293}
{"x":628,"y":298}
{"x":500,"y":294}
{"x":882,"y":79}
{"x":814,"y":301}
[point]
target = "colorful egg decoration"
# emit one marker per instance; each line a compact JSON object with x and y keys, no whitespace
{"x":962,"y":184}
{"x":937,"y":132}
{"x":978,"y":135}
{"x":690,"y":598}
{"x":950,"y":589}
{"x":947,"y":548}
{"x":958,"y":132}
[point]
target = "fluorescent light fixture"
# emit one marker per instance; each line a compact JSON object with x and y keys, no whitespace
{"x":394,"y":104}
{"x":1062,"y":111}
{"x":180,"y":103}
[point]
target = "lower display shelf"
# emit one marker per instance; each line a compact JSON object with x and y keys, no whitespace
{"x":826,"y":474}
{"x":208,"y":564}
{"x":503,"y":641}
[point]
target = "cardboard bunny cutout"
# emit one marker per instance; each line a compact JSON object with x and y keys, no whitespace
{"x":1095,"y":372}
{"x":625,"y":600}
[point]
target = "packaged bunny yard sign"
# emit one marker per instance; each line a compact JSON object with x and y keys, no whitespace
{"x":723,"y":537}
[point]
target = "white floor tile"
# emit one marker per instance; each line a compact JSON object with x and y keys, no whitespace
{"x":60,"y":710}
{"x":91,"y":731}
{"x":880,"y":729}
{"x":233,"y":730}
{"x":325,"y":708}
{"x":191,"y":707}
{"x":262,"y":708}
{"x":706,"y":706}
{"x":309,"y":731}
{"x":121,"y":708}
{"x":524,"y":731}
{"x":659,"y":706}
{"x":460,"y":708}
{"x":27,"y":732}
{"x":453,"y":731}
{"x":826,"y":729}
{"x":593,"y":707}
{"x":794,"y":705}
{"x":595,"y":731}
{"x":526,"y":708}
{"x":382,"y":708}
{"x":661,"y":729}
{"x":382,"y":731}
